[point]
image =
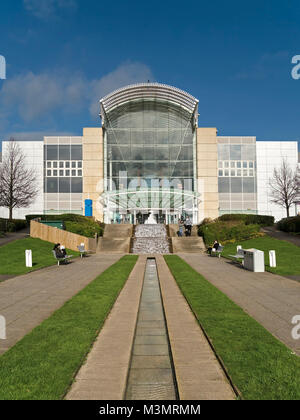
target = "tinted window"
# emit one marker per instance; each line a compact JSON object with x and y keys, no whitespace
{"x":64,"y":185}
{"x":51,"y":152}
{"x":76,"y":152}
{"x":76,"y":185}
{"x":51,"y":185}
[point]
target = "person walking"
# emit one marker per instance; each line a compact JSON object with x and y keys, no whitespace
{"x":188,"y":226}
{"x":181,"y":226}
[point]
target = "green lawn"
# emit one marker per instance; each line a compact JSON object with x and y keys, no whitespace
{"x":287,"y":254}
{"x":12,"y":256}
{"x":260,"y":366}
{"x":42,"y":365}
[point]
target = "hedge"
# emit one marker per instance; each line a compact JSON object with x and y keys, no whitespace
{"x":290,"y":224}
{"x":248,"y":219}
{"x":87,"y":229}
{"x":14,"y":225}
{"x":75,"y":223}
{"x":222,"y":232}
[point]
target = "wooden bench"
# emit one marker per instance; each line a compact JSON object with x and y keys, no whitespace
{"x":217,"y":252}
{"x":61,"y":259}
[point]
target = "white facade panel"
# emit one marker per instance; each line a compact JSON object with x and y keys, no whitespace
{"x":269,"y":155}
{"x":34,"y":158}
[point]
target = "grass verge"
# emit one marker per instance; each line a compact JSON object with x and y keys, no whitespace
{"x":259,"y":364}
{"x":42,"y":365}
{"x":12,"y":256}
{"x":287,"y":254}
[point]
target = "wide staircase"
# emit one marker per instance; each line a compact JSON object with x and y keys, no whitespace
{"x":116,"y":239}
{"x":189,"y":244}
{"x":148,"y":239}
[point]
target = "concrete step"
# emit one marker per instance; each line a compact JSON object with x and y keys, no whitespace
{"x":118,"y":231}
{"x":190,"y":244}
{"x":173,"y":229}
{"x":116,"y":245}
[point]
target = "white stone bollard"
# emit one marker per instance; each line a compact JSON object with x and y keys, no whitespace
{"x":28,"y":257}
{"x":272,"y":258}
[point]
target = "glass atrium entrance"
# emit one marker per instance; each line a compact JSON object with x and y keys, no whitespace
{"x":149,"y":154}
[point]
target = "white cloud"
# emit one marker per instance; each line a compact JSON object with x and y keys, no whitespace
{"x":38,"y":96}
{"x":44,"y":9}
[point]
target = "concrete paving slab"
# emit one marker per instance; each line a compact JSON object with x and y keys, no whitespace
{"x":110,"y":355}
{"x":270,"y":299}
{"x":29,"y":299}
{"x":196,"y":366}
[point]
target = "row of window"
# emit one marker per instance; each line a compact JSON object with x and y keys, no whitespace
{"x":63,"y":164}
{"x":129,"y":153}
{"x":237,"y":185}
{"x":236,"y":164}
{"x":237,"y":151}
{"x":64,"y":172}
{"x":236,"y":172}
{"x":63,"y":152}
{"x":63,"y":185}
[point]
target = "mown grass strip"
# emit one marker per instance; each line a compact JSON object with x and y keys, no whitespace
{"x":287,"y":254}
{"x":260,"y":366}
{"x":43,"y":363}
{"x":12,"y":256}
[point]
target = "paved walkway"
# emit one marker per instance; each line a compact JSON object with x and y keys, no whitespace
{"x":278,"y":234}
{"x":104,"y":375}
{"x":198,"y":372}
{"x":27,"y":300}
{"x":12,"y":236}
{"x":271,"y":299}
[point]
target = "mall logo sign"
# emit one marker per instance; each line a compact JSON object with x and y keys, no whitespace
{"x":296,"y":329}
{"x":2,"y":328}
{"x":296,"y":69}
{"x":2,"y":67}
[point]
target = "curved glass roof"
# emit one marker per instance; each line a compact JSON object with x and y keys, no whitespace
{"x":149,"y":91}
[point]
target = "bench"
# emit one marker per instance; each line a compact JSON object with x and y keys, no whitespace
{"x":239,"y":253}
{"x":61,"y":259}
{"x":217,"y":252}
{"x":82,"y":250}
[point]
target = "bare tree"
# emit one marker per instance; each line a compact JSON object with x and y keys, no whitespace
{"x":18,"y":187}
{"x":284,"y":186}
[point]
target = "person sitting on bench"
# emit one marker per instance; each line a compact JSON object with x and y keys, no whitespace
{"x":58,"y":252}
{"x":215,"y":247}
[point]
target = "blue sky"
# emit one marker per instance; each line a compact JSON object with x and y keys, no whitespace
{"x":235,"y":57}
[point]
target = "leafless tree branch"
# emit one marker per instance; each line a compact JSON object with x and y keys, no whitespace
{"x":18,"y":187}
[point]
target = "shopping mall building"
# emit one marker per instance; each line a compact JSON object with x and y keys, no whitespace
{"x":151,"y":155}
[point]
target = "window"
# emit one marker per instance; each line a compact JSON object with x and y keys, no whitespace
{"x":235,"y":152}
{"x":73,"y":164}
{"x":64,"y":185}
{"x":48,"y":164}
{"x":54,"y":164}
{"x":61,"y":164}
{"x":76,"y":185}
{"x":64,"y":152}
{"x":76,"y":152}
{"x":51,"y":152}
{"x":51,"y":185}
{"x":224,"y":186}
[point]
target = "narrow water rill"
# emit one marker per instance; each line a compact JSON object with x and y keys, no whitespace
{"x":151,"y":374}
{"x":150,"y":239}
